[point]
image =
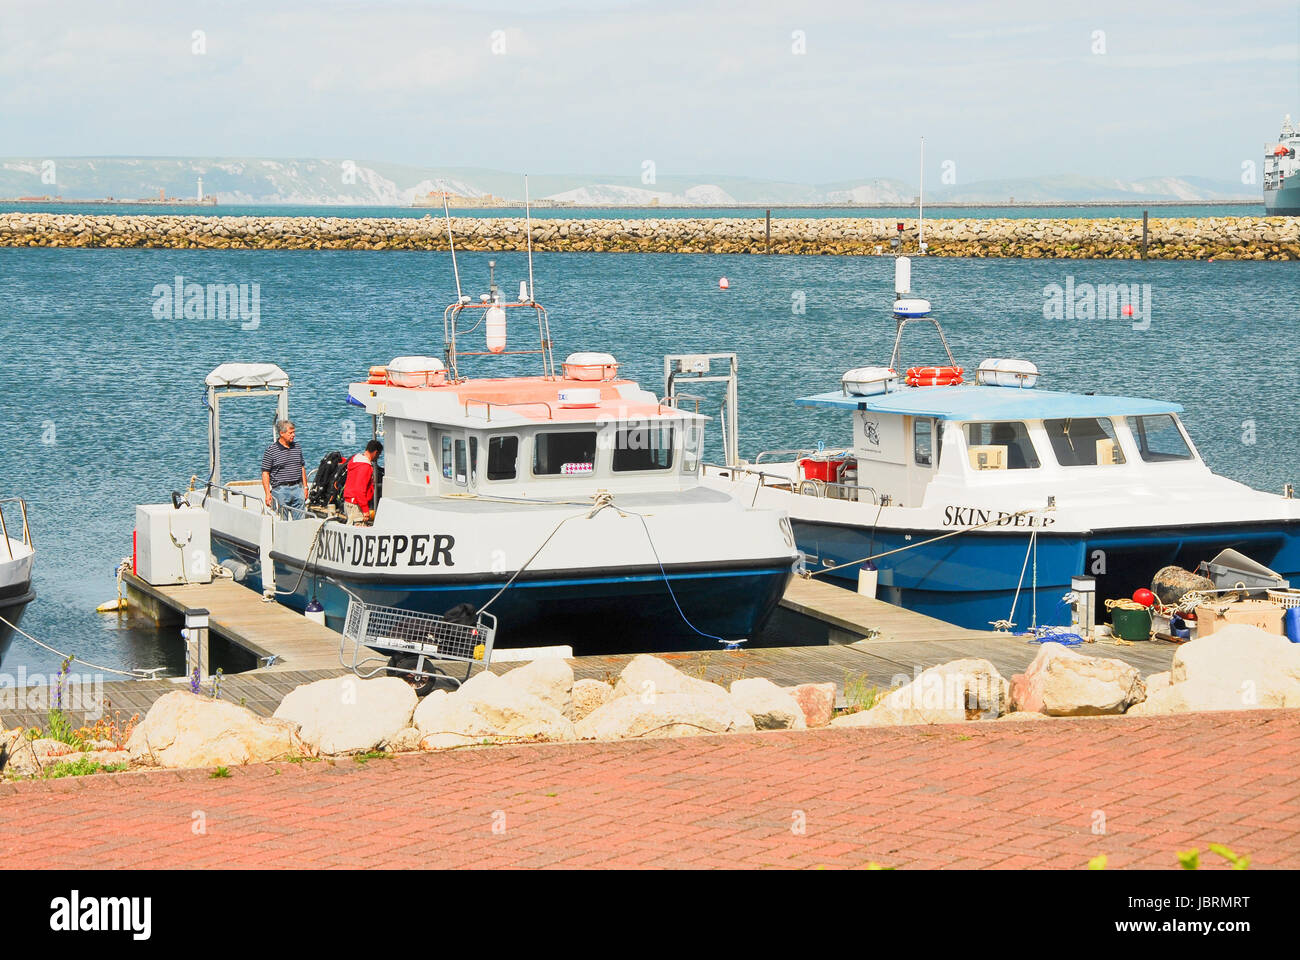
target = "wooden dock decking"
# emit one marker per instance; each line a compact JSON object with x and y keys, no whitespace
{"x":855,"y":617}
{"x":267,"y":630}
{"x":899,"y":645}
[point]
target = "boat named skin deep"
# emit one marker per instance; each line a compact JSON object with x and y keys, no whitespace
{"x":16,"y":558}
{"x":1282,"y":173}
{"x":568,"y":502}
{"x":975,"y":500}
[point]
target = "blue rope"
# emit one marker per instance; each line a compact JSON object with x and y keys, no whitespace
{"x":669,"y":585}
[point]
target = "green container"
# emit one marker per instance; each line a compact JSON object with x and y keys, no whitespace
{"x":1131,"y":624}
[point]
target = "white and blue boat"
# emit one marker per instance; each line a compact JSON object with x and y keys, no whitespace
{"x":978,"y":503}
{"x":568,"y":503}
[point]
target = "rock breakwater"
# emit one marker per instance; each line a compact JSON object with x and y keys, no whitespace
{"x":1222,"y":238}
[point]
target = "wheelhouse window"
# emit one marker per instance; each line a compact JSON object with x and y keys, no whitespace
{"x":1158,"y":438}
{"x":1084,"y":441}
{"x":446,"y":457}
{"x":923,"y":446}
{"x":692,"y":443}
{"x":461,"y":471}
{"x":1000,"y":446}
{"x":643,"y":447}
{"x":503,"y":455}
{"x":567,"y":454}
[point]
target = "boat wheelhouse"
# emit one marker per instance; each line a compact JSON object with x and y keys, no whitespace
{"x":979,"y":502}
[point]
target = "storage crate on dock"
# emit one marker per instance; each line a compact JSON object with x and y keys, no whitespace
{"x":1264,"y":614}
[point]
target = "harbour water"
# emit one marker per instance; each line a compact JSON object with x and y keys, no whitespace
{"x":102,"y":405}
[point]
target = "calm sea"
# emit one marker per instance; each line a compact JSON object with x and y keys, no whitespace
{"x":101,"y":402}
{"x":642,"y":213}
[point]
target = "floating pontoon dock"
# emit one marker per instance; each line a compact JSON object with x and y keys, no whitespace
{"x":894,"y":642}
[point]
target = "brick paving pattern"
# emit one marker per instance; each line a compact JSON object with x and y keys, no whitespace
{"x":989,"y":794}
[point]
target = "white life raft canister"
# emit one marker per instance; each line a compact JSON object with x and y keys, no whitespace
{"x":869,"y":381}
{"x":496,"y":328}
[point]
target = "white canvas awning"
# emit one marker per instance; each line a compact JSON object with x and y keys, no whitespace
{"x":247,"y":375}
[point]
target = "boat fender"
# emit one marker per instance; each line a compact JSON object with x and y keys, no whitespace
{"x":1171,"y":583}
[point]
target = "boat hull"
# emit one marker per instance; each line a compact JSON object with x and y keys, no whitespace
{"x":972,"y":580}
{"x":1284,"y":202}
{"x":13,"y":601}
{"x":624,"y":611}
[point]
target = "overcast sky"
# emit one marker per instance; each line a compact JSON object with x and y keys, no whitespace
{"x":1123,"y":89}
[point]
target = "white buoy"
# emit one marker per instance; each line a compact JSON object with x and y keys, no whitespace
{"x":496,"y":329}
{"x":724,"y":284}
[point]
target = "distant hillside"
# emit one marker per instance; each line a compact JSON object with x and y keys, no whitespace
{"x":307,"y":181}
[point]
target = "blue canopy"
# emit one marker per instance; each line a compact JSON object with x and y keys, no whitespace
{"x":976,"y":402}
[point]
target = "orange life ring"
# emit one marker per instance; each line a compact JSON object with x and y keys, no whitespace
{"x":934,"y":376}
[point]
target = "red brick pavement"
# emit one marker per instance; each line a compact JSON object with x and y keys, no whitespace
{"x":992,"y":794}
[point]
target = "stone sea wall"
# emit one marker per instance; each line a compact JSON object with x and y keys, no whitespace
{"x":1222,"y":238}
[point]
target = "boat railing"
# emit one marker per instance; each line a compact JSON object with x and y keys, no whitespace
{"x":783,"y":453}
{"x":4,"y":529}
{"x":226,"y":491}
{"x":818,"y":489}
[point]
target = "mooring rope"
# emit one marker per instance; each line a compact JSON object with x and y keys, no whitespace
{"x":137,"y":674}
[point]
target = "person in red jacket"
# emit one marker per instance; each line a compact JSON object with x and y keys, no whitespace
{"x":359,"y":489}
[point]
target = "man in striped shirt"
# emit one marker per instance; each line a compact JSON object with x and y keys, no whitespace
{"x":284,"y":475}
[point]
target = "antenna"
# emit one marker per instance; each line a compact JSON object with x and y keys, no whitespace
{"x":528,"y":221}
{"x":450,"y":242}
{"x":920,"y":219}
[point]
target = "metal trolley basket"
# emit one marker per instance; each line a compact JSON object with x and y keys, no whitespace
{"x":415,"y":642}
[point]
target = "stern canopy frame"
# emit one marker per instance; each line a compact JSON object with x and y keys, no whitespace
{"x":241,"y":380}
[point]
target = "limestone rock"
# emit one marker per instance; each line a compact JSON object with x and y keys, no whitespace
{"x":1157,"y":682}
{"x":1063,"y":683}
{"x":550,"y":680}
{"x":968,"y":689}
{"x":646,"y":677}
{"x":486,"y":706}
{"x":1222,"y":693}
{"x":185,"y":730}
{"x":405,"y":740}
{"x":816,"y":700}
{"x":1237,"y":653}
{"x":588,"y":695}
{"x":446,"y":721}
{"x":770,"y":707}
{"x":663,"y":715}
{"x":347,"y":714}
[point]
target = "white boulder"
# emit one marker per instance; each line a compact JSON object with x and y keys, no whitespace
{"x":549,"y":679}
{"x":183,"y":729}
{"x":770,"y":707}
{"x":486,"y":706}
{"x":347,"y":714}
{"x":646,"y":677}
{"x":664,"y":715}
{"x":588,"y":695}
{"x":968,"y":689}
{"x":1063,"y":683}
{"x":1237,"y":653}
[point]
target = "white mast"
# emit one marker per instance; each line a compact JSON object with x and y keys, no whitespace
{"x":442,"y":186}
{"x":528,"y":220}
{"x":920,"y":220}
